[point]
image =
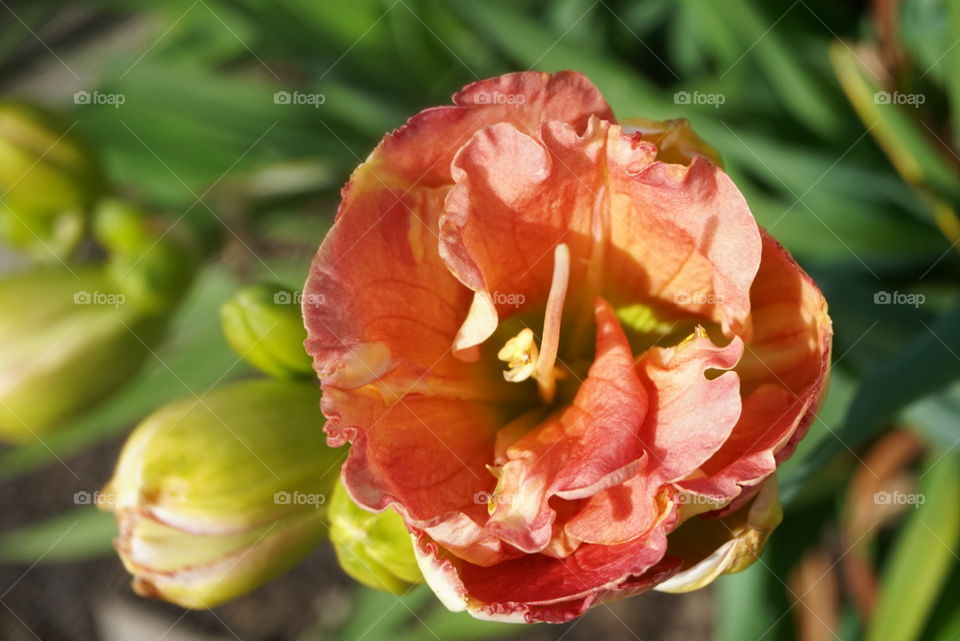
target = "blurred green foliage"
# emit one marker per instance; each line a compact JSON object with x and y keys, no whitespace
{"x":863,"y":191}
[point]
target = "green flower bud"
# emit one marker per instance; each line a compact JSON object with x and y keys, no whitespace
{"x":48,"y":178}
{"x":375,"y":549}
{"x":67,"y":340}
{"x":263,"y":325}
{"x":151,"y":266}
{"x":121,"y":227}
{"x":216,"y":496}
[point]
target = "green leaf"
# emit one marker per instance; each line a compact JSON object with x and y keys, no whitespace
{"x":952,"y":62}
{"x":379,"y":616}
{"x":923,"y":30}
{"x":921,"y":558}
{"x":925,"y":364}
{"x":937,"y":416}
{"x":949,"y":631}
{"x":456,"y":626}
{"x":903,"y":138}
{"x":75,"y":535}
{"x":800,"y":93}
{"x":744,"y":610}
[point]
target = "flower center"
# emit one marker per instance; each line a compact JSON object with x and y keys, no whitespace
{"x":521,"y":353}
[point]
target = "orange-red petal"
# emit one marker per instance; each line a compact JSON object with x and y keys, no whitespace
{"x":685,"y":239}
{"x":427,"y":455}
{"x":420,"y":152}
{"x":591,"y":445}
{"x":535,"y":587}
{"x":783,"y":372}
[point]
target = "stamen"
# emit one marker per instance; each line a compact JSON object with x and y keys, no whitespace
{"x":546,"y":378}
{"x":521,"y":353}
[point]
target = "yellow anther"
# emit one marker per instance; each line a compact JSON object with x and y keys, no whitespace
{"x":521,"y":354}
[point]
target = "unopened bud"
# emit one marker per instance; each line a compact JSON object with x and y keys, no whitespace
{"x":67,"y":340}
{"x":264,"y":327}
{"x":49,"y":180}
{"x":375,"y":549}
{"x":217,"y":495}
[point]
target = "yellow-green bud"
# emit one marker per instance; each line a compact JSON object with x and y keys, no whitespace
{"x":263,"y":325}
{"x":375,"y":549}
{"x":152,"y":267}
{"x":48,"y":178}
{"x":121,"y":227}
{"x":216,"y":496}
{"x":67,"y":340}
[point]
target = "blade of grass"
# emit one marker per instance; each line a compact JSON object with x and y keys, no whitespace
{"x":921,"y":558}
{"x":949,"y":631}
{"x":952,"y":62}
{"x":379,"y":616}
{"x":744,"y":610}
{"x":800,"y":93}
{"x":79,"y":534}
{"x":902,"y":139}
{"x":926,"y":363}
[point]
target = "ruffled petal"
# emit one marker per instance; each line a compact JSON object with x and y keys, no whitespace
{"x":792,"y":340}
{"x":535,"y":587}
{"x":379,"y":305}
{"x":693,"y":410}
{"x":518,"y":196}
{"x":691,"y":415}
{"x":770,"y":416}
{"x":425,"y":455}
{"x":420,"y":152}
{"x":688,"y":241}
{"x":681,"y":236}
{"x":378,"y":300}
{"x":621,"y":513}
{"x":588,"y":447}
{"x":792,"y":331}
{"x":783,"y":373}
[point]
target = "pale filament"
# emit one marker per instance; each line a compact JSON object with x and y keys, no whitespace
{"x":546,"y":379}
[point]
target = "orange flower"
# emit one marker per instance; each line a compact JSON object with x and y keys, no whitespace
{"x":569,"y":358}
